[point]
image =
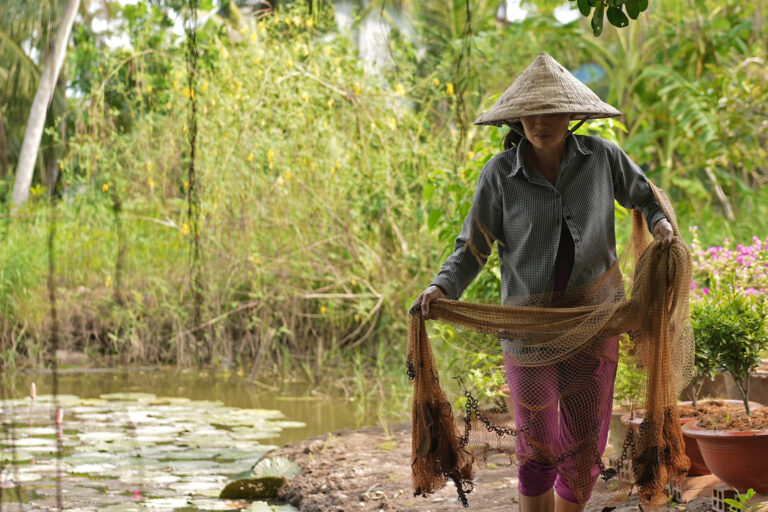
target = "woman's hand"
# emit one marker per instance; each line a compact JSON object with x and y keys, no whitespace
{"x":663,"y":232}
{"x":426,"y":297}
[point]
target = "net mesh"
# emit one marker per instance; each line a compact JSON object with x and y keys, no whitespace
{"x":560,"y":356}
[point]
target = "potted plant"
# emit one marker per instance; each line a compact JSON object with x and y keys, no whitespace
{"x":732,"y":325}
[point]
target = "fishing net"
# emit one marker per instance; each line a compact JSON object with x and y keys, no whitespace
{"x":561,"y":374}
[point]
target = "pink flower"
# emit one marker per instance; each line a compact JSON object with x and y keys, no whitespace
{"x":694,"y":286}
{"x":705,"y":290}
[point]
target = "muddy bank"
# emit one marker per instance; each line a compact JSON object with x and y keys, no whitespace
{"x":369,"y":470}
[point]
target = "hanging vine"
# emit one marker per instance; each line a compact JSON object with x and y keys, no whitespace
{"x":202,"y":351}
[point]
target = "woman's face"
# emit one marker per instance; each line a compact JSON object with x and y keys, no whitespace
{"x":546,"y":132}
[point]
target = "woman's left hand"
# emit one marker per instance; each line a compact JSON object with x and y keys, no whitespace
{"x":663,"y":232}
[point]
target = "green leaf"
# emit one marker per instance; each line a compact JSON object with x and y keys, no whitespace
{"x":633,"y":8}
{"x":428,"y":191}
{"x":584,"y":7}
{"x":643,"y":5}
{"x":434,"y":216}
{"x":617,"y":17}
{"x":597,"y":20}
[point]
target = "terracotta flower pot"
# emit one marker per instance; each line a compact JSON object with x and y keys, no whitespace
{"x":698,"y":465}
{"x":738,"y":458}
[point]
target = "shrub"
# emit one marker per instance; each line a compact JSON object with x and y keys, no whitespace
{"x":730,"y":328}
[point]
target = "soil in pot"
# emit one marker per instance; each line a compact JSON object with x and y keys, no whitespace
{"x":725,"y":419}
{"x":734,"y":447}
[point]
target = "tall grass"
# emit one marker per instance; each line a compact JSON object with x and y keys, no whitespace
{"x":310,"y":171}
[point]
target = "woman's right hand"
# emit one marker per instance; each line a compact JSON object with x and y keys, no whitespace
{"x":426,"y":297}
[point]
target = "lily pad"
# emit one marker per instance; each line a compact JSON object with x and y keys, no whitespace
{"x":166,"y":503}
{"x":275,"y":466}
{"x":253,"y":488}
{"x":128,"y":396}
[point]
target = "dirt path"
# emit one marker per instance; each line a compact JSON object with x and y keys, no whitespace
{"x":368,"y":471}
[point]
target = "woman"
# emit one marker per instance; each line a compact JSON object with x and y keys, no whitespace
{"x":548,"y":203}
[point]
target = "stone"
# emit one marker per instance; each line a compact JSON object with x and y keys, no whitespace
{"x":253,"y":488}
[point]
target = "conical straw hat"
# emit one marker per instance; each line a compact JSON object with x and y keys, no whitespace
{"x":546,"y":87}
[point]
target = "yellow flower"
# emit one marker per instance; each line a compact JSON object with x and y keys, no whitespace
{"x":108,"y":282}
{"x":151,"y":182}
{"x":184,"y":128}
{"x":287,"y":175}
{"x":149,"y":88}
{"x":242,"y":30}
{"x":305,"y":96}
{"x":470,"y":155}
{"x":188,"y":93}
{"x":204,"y":86}
{"x":105,"y":187}
{"x":436,"y":82}
{"x":100,"y":70}
{"x":331,"y":102}
{"x":399,"y":90}
{"x":327,"y":49}
{"x":178,"y":75}
{"x":250,"y":157}
{"x":289,"y":62}
{"x":254,"y":36}
{"x":296,"y":20}
{"x":224,"y":53}
{"x":323,"y":310}
{"x":271,"y":157}
{"x":175,"y":85}
{"x":262,"y":25}
{"x":357,"y":317}
{"x":61,"y":164}
{"x":392,"y":123}
{"x":213,"y":102}
{"x":357,"y":89}
{"x":184,"y":229}
{"x":309,"y":22}
{"x":186,"y":185}
{"x":149,"y":166}
{"x":336,"y":61}
{"x":449,"y":89}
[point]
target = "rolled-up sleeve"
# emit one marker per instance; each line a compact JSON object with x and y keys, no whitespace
{"x":631,"y":188}
{"x":473,"y":246}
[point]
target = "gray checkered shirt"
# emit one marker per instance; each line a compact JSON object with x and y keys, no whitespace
{"x":517,"y":207}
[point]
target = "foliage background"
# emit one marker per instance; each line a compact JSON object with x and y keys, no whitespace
{"x":331,"y":188}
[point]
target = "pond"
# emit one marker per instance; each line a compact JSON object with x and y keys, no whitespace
{"x":152,"y":439}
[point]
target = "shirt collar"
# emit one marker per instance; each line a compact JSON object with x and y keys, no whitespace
{"x":572,"y":146}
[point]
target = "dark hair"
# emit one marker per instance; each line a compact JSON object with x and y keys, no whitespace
{"x":514,"y":136}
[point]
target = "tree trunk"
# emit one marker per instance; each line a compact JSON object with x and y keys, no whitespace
{"x":36,"y":122}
